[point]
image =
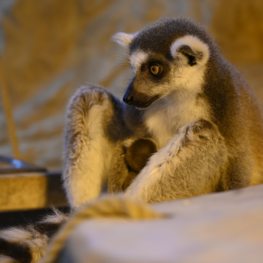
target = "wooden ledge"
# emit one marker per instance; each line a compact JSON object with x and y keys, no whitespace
{"x":24,"y":191}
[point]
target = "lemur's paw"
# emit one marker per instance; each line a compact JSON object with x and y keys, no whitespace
{"x":202,"y":130}
{"x":88,"y":96}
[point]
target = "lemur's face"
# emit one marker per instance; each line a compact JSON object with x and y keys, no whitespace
{"x":162,"y":63}
{"x":151,"y":80}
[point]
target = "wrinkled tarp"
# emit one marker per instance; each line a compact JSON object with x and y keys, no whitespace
{"x":49,"y":48}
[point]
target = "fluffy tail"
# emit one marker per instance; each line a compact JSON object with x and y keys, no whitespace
{"x":27,"y":245}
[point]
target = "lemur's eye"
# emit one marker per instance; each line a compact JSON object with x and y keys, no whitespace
{"x":155,"y":69}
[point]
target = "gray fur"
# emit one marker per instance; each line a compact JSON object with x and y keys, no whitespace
{"x":158,"y":37}
{"x":220,"y":151}
{"x":28,"y":244}
{"x":198,"y":172}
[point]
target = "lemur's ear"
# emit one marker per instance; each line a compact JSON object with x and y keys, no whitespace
{"x":123,"y":39}
{"x":190,"y":50}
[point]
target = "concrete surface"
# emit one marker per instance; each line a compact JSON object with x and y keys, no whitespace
{"x":220,"y":228}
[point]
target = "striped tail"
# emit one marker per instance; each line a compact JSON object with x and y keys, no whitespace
{"x":27,"y":245}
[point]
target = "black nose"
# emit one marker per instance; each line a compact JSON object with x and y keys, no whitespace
{"x":128,"y":99}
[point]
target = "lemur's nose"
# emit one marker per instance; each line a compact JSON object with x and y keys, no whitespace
{"x":128,"y":99}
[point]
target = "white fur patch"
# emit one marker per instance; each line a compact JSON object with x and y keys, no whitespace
{"x":37,"y":244}
{"x":31,"y":238}
{"x":195,"y":44}
{"x":137,"y":58}
{"x":57,"y":218}
{"x":185,"y":77}
{"x":123,"y":39}
{"x":127,"y":143}
{"x":165,"y":117}
{"x":6,"y":259}
{"x":15,"y":234}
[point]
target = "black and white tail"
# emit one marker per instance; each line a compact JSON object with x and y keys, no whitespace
{"x":28,"y":244}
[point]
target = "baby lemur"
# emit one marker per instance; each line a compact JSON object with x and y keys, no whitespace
{"x":203,"y":117}
{"x":136,"y":157}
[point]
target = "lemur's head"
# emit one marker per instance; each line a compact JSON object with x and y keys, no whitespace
{"x":166,"y":57}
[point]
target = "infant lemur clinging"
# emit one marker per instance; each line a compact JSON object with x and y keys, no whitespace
{"x":184,"y":96}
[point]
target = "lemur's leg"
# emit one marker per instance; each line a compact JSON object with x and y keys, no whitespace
{"x":188,"y":165}
{"x":94,"y":127}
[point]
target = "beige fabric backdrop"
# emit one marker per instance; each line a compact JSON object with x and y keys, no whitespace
{"x":49,"y":48}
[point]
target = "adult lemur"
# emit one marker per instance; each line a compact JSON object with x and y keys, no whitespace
{"x":184,"y":95}
{"x":187,"y":100}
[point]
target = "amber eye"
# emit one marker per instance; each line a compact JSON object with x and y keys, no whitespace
{"x":155,"y":69}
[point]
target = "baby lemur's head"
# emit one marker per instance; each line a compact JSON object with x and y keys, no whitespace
{"x":166,"y":57}
{"x":138,"y":153}
{"x":136,"y":157}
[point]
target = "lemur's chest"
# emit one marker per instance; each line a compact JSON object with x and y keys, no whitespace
{"x":165,"y":119}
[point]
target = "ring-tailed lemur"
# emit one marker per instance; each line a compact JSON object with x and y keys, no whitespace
{"x":185,"y":96}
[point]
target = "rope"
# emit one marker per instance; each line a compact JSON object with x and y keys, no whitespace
{"x":105,"y":207}
{"x":8,"y":114}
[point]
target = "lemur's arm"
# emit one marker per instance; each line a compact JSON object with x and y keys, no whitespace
{"x":94,"y":129}
{"x":188,"y":165}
